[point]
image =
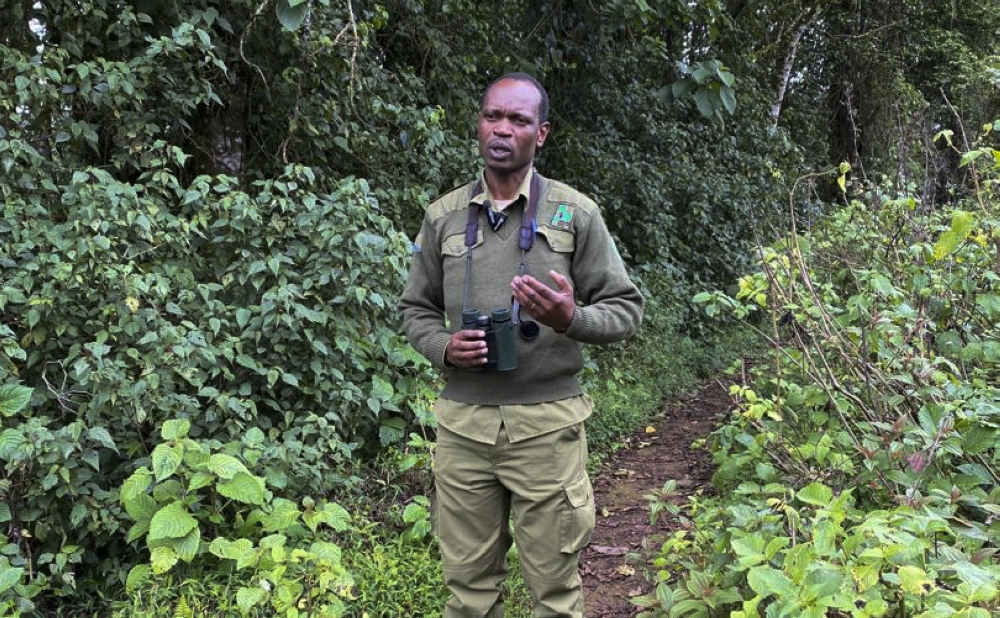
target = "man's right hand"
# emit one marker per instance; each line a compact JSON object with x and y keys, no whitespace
{"x":466,"y":349}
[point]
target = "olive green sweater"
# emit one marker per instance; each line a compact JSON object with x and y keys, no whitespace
{"x":571,"y":239}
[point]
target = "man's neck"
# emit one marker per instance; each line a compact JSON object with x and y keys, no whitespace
{"x":504,"y":186}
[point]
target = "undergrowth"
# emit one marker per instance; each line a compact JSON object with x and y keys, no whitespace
{"x":858,"y":474}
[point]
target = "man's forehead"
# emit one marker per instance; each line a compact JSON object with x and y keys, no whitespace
{"x":513,"y":94}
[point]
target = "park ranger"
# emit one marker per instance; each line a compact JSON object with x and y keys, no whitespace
{"x":510,"y":275}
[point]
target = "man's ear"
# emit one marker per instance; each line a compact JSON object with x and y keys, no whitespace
{"x":543,"y":132}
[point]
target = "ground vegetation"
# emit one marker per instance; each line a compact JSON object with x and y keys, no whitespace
{"x":206,"y":403}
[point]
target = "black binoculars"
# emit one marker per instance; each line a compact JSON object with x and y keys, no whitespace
{"x":501,"y":353}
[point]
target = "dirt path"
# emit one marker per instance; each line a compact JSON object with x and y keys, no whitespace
{"x":646,"y":462}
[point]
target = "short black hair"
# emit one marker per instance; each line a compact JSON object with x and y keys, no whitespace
{"x":518,"y":76}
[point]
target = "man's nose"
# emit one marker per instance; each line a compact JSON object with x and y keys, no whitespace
{"x":502,"y":128}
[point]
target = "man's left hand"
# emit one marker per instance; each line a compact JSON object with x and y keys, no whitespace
{"x":553,"y":308}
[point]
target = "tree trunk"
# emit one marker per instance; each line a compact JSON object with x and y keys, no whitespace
{"x":786,"y":70}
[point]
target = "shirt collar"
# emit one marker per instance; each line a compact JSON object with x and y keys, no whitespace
{"x":523,"y":191}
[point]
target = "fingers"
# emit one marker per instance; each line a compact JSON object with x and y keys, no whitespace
{"x":562,"y":283}
{"x":467,"y":348}
{"x":550,"y":307}
{"x":531,"y":292}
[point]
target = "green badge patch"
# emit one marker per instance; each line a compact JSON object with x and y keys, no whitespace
{"x":564,"y":214}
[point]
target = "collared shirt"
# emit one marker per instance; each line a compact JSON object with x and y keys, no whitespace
{"x":482,"y":423}
{"x":523,"y":192}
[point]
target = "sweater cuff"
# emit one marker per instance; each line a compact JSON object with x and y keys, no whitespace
{"x":436,"y":346}
{"x":581,"y":324}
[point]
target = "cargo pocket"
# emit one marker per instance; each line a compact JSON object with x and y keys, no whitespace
{"x":576,"y":523}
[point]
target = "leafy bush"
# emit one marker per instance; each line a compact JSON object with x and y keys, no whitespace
{"x":194,"y":489}
{"x":126,"y":306}
{"x":858,"y":474}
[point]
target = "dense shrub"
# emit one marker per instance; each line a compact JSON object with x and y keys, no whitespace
{"x":858,"y":473}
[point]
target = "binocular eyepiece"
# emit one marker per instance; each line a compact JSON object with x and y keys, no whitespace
{"x":501,"y":353}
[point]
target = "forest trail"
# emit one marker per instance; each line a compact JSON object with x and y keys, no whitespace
{"x":645,"y":462}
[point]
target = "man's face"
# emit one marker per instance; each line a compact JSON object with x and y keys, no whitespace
{"x":509,"y":130}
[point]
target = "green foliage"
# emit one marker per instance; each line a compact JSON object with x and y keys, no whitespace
{"x":277,"y":552}
{"x":710,"y":86}
{"x":396,"y":578}
{"x":206,"y":208}
{"x":858,"y":474}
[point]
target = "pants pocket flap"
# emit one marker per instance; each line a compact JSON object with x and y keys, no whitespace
{"x":578,"y":492}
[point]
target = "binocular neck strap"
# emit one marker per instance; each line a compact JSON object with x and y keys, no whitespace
{"x":528,"y":226}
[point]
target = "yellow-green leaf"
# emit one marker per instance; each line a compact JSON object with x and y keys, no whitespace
{"x":914,"y":580}
{"x":243,"y":487}
{"x":166,"y":459}
{"x":226,"y":466}
{"x":171,"y":522}
{"x":162,"y":560}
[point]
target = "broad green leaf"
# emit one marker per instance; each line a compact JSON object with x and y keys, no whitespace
{"x":9,"y":576}
{"x":748,"y":545}
{"x":136,"y":485}
{"x":187,"y":547}
{"x":226,"y":466}
{"x":283,"y":515}
{"x":766,"y":581}
{"x":977,"y":439}
{"x":138,"y":576}
{"x":291,"y":16}
{"x":253,"y":437}
{"x":242,"y":317}
{"x":382,"y":389}
{"x":816,"y":494}
{"x":10,"y":441}
{"x":704,"y":100}
{"x":865,"y":575}
{"x":78,"y":514}
{"x":175,"y":429}
{"x":331,"y":514}
{"x":689,"y":606}
{"x":247,"y":598}
{"x":137,"y":531}
{"x":962,"y":223}
{"x":989,"y":304}
{"x":102,"y":437}
{"x":728,"y":99}
{"x":971,"y":156}
{"x":328,"y":552}
{"x":13,"y":398}
{"x":273,"y":540}
{"x":915,"y":580}
{"x":682,"y":87}
{"x":243,"y":487}
{"x":141,"y":507}
{"x":171,"y":522}
{"x":166,"y":460}
{"x":200,"y":479}
{"x":230,"y":550}
{"x":162,"y":559}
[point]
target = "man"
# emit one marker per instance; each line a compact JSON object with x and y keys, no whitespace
{"x":512,"y":442}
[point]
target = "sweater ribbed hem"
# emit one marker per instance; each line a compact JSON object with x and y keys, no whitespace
{"x":497,"y":388}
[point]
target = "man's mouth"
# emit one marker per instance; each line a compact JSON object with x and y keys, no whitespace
{"x":498,"y":150}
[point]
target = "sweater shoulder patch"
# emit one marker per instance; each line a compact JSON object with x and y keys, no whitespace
{"x":455,"y":200}
{"x":563,"y":216}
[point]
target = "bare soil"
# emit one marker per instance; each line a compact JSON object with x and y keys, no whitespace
{"x":647,"y":460}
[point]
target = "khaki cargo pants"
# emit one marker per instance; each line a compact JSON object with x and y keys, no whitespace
{"x":543,"y":483}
